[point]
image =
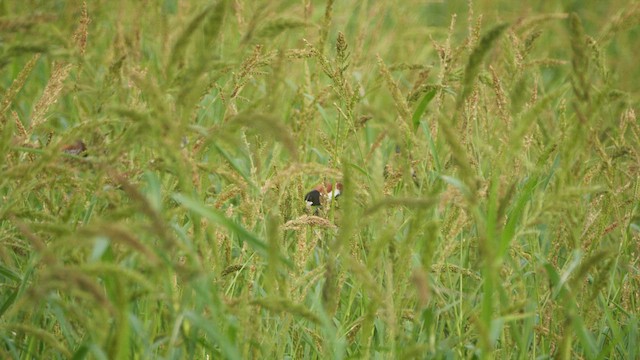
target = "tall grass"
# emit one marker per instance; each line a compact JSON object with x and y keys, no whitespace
{"x":489,"y":151}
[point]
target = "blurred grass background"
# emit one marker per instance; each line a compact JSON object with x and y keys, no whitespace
{"x":489,"y":152}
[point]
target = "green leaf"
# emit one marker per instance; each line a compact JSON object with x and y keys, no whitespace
{"x":364,"y":172}
{"x":153,"y":190}
{"x":11,"y":298}
{"x":584,"y":336}
{"x":422,"y":107}
{"x":8,"y":273}
{"x":234,"y":164}
{"x":432,"y":146}
{"x":217,"y":217}
{"x":476,"y":58}
{"x":457,"y":183}
{"x":515,"y":216}
{"x":214,"y":21}
{"x":227,"y":345}
{"x":81,"y":353}
{"x":179,"y":48}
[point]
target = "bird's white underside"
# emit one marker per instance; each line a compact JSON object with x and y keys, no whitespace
{"x":333,"y":194}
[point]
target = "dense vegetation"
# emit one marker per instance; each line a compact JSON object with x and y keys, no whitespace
{"x":489,"y":151}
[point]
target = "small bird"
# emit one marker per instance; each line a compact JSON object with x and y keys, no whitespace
{"x":78,"y":148}
{"x":322,"y":193}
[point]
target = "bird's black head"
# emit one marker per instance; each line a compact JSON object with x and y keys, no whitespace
{"x":313,"y":198}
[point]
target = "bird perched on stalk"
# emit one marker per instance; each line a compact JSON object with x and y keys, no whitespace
{"x":322,"y":194}
{"x":78,"y":148}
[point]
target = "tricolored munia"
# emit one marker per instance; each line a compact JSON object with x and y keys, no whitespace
{"x":323,"y":193}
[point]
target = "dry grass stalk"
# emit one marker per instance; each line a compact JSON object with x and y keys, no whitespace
{"x":625,"y":19}
{"x":376,"y":144}
{"x":21,"y":129}
{"x":445,"y":56}
{"x":419,"y":85}
{"x":51,"y":92}
{"x":15,"y":87}
{"x":60,"y":73}
{"x":301,"y":169}
{"x":229,"y":192}
{"x":283,"y":305}
{"x":501,"y":99}
{"x":308,"y":220}
{"x":16,"y":24}
{"x":326,"y":24}
{"x":82,"y":32}
{"x":401,"y":104}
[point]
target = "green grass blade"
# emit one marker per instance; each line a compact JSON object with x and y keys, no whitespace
{"x":422,"y":107}
{"x":476,"y":58}
{"x":214,"y":216}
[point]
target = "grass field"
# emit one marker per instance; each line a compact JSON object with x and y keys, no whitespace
{"x":489,"y":151}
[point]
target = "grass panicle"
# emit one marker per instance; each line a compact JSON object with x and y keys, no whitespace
{"x":17,"y":84}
